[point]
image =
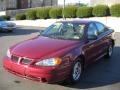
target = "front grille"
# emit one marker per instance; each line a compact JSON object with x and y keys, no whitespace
{"x":21,"y":60}
{"x":10,"y":25}
{"x":25,"y":61}
{"x":15,"y":58}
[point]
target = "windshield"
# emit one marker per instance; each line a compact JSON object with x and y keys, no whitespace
{"x":64,"y":31}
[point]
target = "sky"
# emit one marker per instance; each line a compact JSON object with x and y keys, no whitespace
{"x":72,"y":1}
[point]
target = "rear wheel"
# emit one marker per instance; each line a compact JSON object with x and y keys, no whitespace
{"x":109,"y":51}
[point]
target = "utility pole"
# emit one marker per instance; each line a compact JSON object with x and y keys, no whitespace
{"x":63,"y":9}
{"x":79,"y":2}
{"x":30,"y":3}
{"x":51,"y":2}
{"x":43,"y":3}
{"x":5,"y":5}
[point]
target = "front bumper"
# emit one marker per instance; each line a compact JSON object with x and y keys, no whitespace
{"x":5,"y":29}
{"x":8,"y":28}
{"x":44,"y":75}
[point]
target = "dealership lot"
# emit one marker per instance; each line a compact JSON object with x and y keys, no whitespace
{"x":104,"y":74}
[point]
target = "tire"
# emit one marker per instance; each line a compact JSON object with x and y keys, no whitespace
{"x":109,"y":51}
{"x":9,"y":31}
{"x":75,"y":74}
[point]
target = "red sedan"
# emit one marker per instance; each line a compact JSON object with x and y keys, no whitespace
{"x":60,"y":52}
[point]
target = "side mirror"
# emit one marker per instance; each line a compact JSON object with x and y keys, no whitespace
{"x":40,"y":32}
{"x":92,"y":37}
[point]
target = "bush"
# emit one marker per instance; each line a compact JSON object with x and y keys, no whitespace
{"x":101,"y":10}
{"x":83,"y":12}
{"x":69,"y":11}
{"x":31,"y":14}
{"x":20,"y":16}
{"x":115,"y":10}
{"x":43,"y":13}
{"x":55,"y":13}
{"x":5,"y":17}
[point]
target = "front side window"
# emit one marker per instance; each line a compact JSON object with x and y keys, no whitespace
{"x":64,"y":31}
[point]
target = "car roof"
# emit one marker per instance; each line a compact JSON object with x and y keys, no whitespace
{"x":77,"y":21}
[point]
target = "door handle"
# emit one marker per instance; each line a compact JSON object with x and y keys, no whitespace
{"x":91,"y":46}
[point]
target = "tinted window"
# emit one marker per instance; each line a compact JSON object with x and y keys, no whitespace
{"x":92,"y":30}
{"x":100,"y":27}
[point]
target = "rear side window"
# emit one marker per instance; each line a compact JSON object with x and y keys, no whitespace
{"x":100,"y":27}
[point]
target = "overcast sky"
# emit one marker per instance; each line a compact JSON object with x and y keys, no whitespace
{"x":72,"y":1}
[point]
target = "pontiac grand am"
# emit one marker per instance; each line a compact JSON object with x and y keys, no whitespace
{"x":60,"y":52}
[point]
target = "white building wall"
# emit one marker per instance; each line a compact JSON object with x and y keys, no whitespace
{"x":106,"y":2}
{"x":67,"y":2}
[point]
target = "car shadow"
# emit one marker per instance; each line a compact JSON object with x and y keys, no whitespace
{"x":101,"y":73}
{"x":21,"y":31}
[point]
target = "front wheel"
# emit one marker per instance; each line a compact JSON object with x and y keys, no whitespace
{"x":9,"y":31}
{"x":75,"y":72}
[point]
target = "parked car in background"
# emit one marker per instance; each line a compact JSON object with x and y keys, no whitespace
{"x":61,"y":52}
{"x":6,"y":26}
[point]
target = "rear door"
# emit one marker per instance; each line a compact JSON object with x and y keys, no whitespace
{"x":103,"y":37}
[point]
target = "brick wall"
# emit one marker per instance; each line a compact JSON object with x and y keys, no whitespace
{"x":21,"y":4}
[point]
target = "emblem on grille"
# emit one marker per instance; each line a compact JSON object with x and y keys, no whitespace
{"x":21,"y":60}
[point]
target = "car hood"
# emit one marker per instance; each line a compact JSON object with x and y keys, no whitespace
{"x":41,"y":46}
{"x":6,"y":23}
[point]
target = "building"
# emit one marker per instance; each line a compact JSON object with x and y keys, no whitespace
{"x":67,"y":2}
{"x":22,"y":4}
{"x":38,"y":3}
{"x":74,"y":2}
{"x":107,"y":2}
{"x":8,"y":4}
{"x":2,"y":5}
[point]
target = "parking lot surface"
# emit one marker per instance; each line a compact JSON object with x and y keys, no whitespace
{"x":102,"y":75}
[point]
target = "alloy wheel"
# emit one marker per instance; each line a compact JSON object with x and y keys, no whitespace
{"x":76,"y":71}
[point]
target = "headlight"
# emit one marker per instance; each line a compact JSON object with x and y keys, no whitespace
{"x":8,"y":53}
{"x":49,"y":62}
{"x":1,"y":24}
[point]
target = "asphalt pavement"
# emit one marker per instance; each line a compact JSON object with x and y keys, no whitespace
{"x":102,"y":75}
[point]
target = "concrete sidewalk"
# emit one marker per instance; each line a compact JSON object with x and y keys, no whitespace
{"x":113,"y":22}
